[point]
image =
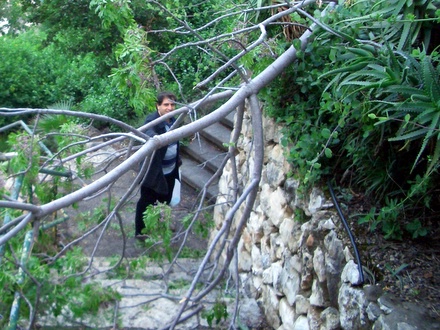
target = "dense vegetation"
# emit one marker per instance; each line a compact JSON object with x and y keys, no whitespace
{"x":364,"y":111}
{"x":361,"y":105}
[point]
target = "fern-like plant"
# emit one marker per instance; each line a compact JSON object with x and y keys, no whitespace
{"x":418,"y":110}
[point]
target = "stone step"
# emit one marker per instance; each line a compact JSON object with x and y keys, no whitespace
{"x":229,"y":120}
{"x":218,"y":134}
{"x":204,"y":153}
{"x":195,"y":176}
{"x":203,"y":156}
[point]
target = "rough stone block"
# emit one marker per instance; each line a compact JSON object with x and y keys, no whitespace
{"x":317,"y":298}
{"x":271,"y":304}
{"x":301,"y":323}
{"x":290,"y":282}
{"x":302,"y":304}
{"x":287,"y":314}
{"x":319,"y":264}
{"x":330,"y":319}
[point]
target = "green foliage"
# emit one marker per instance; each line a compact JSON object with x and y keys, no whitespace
{"x":157,"y":219}
{"x":300,"y":215}
{"x":26,"y":162}
{"x":141,"y":71}
{"x":64,"y":136}
{"x":419,"y":112}
{"x":396,"y":272}
{"x":200,"y":226}
{"x":128,"y":268}
{"x":362,"y":101}
{"x":65,"y":56}
{"x":105,"y":99}
{"x":397,"y":93}
{"x":36,"y":76}
{"x":27,"y":79}
{"x":58,"y":288}
{"x":34,"y":155}
{"x":91,"y":218}
{"x":75,"y":51}
{"x":179,"y":284}
{"x":134,"y":77}
{"x":191,"y":253}
{"x":218,"y":312}
{"x":73,"y":26}
{"x":397,"y":22}
{"x":416,"y":229}
{"x":114,"y":12}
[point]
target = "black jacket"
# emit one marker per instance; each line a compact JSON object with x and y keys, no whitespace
{"x":155,"y":179}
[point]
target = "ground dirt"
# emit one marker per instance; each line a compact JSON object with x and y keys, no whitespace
{"x":408,"y":268}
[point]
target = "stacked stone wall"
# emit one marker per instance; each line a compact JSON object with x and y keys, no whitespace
{"x":290,"y":258}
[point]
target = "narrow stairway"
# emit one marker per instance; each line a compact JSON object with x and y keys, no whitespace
{"x":203,"y":155}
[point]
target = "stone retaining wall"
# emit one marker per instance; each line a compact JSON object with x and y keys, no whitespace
{"x":297,"y":270}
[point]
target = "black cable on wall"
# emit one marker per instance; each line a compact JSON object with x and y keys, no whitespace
{"x":350,"y":235}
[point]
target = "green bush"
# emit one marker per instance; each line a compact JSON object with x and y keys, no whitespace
{"x":105,"y":99}
{"x":361,"y":110}
{"x":27,"y":71}
{"x":35,"y":76}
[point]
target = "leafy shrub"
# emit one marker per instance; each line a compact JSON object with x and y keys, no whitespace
{"x":157,"y":219}
{"x":28,"y":78}
{"x":58,"y":288}
{"x":35,"y":76}
{"x":105,"y":99}
{"x":361,"y":109}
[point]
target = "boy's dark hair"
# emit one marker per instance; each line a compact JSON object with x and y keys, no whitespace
{"x":162,"y":95}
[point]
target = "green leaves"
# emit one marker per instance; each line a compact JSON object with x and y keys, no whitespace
{"x":420,"y":110}
{"x":364,"y":69}
{"x":134,"y":76}
{"x":117,"y":12}
{"x":397,"y":22}
{"x":364,"y":112}
{"x":218,"y":312}
{"x":58,"y":288}
{"x":157,"y":219}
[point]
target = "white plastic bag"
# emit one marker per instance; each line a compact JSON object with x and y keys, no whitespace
{"x":175,"y":198}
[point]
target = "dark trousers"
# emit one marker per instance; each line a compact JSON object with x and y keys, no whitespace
{"x":150,"y":197}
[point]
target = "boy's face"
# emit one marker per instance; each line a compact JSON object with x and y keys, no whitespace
{"x":167,"y":106}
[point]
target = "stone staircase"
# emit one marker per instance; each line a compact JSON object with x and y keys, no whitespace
{"x":203,"y":155}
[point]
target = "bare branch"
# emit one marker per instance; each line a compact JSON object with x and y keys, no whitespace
{"x":234,"y":59}
{"x":14,"y":231}
{"x":27,"y":111}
